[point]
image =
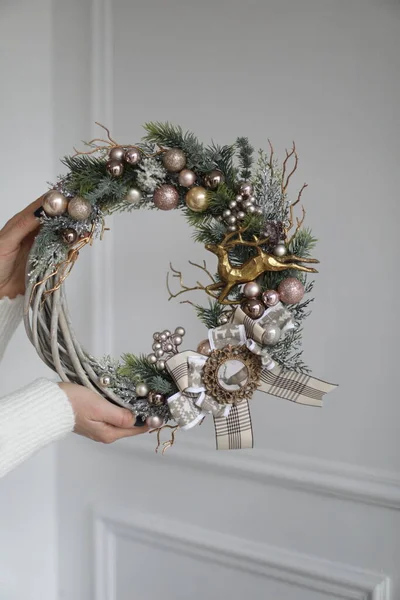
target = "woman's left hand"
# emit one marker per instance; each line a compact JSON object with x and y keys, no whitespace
{"x":16,"y":239}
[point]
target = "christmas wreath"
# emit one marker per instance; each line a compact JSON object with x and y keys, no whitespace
{"x":258,"y":297}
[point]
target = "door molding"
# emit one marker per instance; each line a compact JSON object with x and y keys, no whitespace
{"x":218,"y":549}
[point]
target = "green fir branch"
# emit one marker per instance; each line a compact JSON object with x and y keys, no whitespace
{"x":245,"y":152}
{"x":138,"y":369}
{"x":210,"y":315}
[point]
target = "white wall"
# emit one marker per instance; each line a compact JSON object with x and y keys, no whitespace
{"x":319,"y":499}
{"x":28,"y":562}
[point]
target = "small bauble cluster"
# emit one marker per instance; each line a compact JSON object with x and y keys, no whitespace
{"x":244,"y":204}
{"x":165,"y":345}
{"x":119,"y":156}
{"x":255,"y":302}
{"x":56,"y":204}
{"x":166,"y":196}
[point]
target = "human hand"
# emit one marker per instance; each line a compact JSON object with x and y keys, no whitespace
{"x":16,"y":239}
{"x":98,"y":419}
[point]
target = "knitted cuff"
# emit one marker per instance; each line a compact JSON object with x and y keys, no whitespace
{"x":31,"y":418}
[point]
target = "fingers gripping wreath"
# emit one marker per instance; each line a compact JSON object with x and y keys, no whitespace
{"x":258,"y":294}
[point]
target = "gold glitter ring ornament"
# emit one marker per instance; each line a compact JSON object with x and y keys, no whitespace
{"x":232,"y":374}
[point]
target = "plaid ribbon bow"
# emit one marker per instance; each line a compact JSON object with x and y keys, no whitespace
{"x":233,"y":426}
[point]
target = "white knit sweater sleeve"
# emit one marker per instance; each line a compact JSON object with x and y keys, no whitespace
{"x":33,"y":416}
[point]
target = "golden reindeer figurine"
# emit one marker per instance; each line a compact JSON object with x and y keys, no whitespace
{"x":253,"y":267}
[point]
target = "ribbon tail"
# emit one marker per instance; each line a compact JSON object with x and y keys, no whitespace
{"x":184,"y":411}
{"x":235,"y":431}
{"x":296,"y":387}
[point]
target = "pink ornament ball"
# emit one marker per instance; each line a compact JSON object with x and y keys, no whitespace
{"x":291,"y":290}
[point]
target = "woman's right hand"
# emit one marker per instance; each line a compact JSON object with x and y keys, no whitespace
{"x":98,"y":419}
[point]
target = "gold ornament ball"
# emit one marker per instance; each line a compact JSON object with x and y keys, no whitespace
{"x":213,"y":179}
{"x":79,"y":208}
{"x":197,"y":199}
{"x":291,"y":290}
{"x":166,"y":197}
{"x":115,"y":168}
{"x":54,"y":203}
{"x":204,"y":348}
{"x":186,"y":178}
{"x":174,"y":160}
{"x":133,"y":196}
{"x":69,"y":236}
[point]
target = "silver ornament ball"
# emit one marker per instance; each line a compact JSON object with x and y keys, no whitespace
{"x":132,"y":156}
{"x":239,"y":198}
{"x":251,"y":289}
{"x":54,"y":203}
{"x":232,"y":204}
{"x":116,"y":153}
{"x":159,"y":353}
{"x":154,"y":421}
{"x":177,"y":339}
{"x":251,"y":209}
{"x":156,"y":346}
{"x":160,"y":365}
{"x":163,"y":337}
{"x":142,"y":389}
{"x":152,"y":358}
{"x":232,"y":228}
{"x":227,"y":213}
{"x":79,"y":208}
{"x":133,"y":196}
{"x":240,"y":215}
{"x":115,"y":168}
{"x":168,"y":347}
{"x":167,"y":332}
{"x":222,"y":320}
{"x":105,"y":380}
{"x":271,"y":335}
{"x":231,"y":220}
{"x":280,"y":250}
{"x":180,"y":331}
